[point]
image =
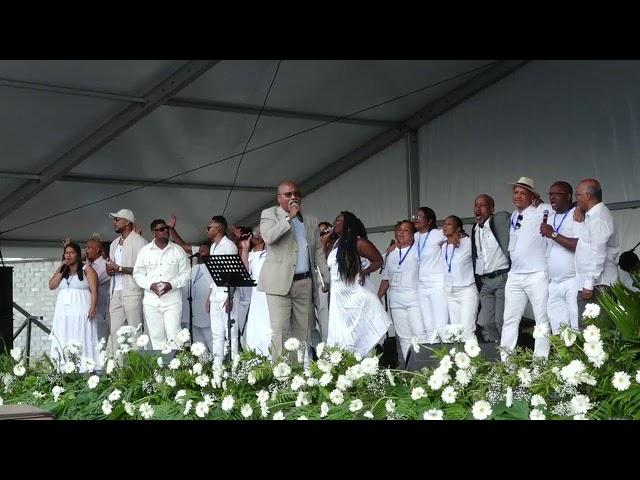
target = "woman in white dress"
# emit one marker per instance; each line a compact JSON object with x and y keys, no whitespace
{"x":357,"y":319}
{"x":258,"y":326}
{"x":459,"y":283}
{"x":73,"y":319}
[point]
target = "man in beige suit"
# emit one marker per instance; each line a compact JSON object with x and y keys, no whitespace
{"x":289,"y":274}
{"x":126,"y":296}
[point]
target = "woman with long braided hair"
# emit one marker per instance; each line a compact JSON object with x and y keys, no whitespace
{"x":357,"y":319}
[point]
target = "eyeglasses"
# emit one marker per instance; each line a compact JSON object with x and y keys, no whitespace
{"x":161,"y":229}
{"x":417,"y":217}
{"x":291,"y":194}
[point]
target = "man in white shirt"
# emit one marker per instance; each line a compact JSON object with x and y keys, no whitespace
{"x":528,"y":278}
{"x":93,"y":251}
{"x":598,"y":247}
{"x":562,"y":232}
{"x":161,"y":269}
{"x":490,"y":250}
{"x":217,"y":303}
{"x":125,"y":306}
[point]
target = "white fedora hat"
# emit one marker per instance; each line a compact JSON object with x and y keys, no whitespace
{"x":525,"y":182}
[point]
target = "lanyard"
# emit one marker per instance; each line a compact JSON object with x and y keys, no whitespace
{"x":513,"y":225}
{"x":422,"y":244}
{"x":402,"y":259}
{"x":446,"y":255}
{"x":557,"y":230}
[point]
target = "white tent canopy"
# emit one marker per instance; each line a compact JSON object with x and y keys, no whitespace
{"x":77,"y":132}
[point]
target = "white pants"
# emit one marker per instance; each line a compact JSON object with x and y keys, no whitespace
{"x":163,"y":323}
{"x":463,"y":308}
{"x":519,"y":288}
{"x":219,"y":328}
{"x":562,"y":307}
{"x":408,"y":324}
{"x":433,"y":304}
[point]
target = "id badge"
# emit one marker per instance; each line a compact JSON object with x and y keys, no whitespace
{"x":513,"y":238}
{"x":448,"y":282}
{"x":479,"y":266}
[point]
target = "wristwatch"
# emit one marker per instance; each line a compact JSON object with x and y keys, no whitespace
{"x":120,"y":269}
{"x":554,"y":234}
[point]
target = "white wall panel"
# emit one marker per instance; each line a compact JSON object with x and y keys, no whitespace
{"x":375,"y":190}
{"x":550,"y":120}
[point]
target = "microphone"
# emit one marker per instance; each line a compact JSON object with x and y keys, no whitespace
{"x":194,"y":255}
{"x":298,"y":215}
{"x":545,"y":216}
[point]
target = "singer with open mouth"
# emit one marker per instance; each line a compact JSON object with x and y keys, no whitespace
{"x":289,"y":274}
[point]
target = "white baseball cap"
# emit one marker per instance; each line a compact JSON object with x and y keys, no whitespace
{"x":124,"y":213}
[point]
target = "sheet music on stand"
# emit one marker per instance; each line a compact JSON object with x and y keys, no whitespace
{"x":228,"y":271}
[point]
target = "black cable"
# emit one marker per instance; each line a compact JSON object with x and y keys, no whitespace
{"x":255,"y":124}
{"x":301,"y":132}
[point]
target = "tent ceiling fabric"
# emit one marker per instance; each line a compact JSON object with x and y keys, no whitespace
{"x":38,"y":124}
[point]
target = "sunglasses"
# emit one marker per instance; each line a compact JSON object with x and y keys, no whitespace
{"x":290,"y":194}
{"x":161,"y":229}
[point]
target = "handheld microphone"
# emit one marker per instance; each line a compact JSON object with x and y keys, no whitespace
{"x":194,"y":255}
{"x":299,"y":215}
{"x":545,"y":216}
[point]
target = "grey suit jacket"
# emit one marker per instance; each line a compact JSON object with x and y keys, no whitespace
{"x":500,"y":228}
{"x":276,"y":276}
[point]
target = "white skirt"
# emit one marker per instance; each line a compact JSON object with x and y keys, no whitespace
{"x":70,"y":323}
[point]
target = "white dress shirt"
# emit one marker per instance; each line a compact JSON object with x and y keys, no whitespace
{"x":225,"y":247}
{"x":401,"y":270}
{"x":490,"y":256}
{"x":154,"y":264}
{"x":458,"y":264}
{"x":427,"y":247}
{"x":527,"y":247}
{"x":561,"y":261}
{"x":597,"y":249}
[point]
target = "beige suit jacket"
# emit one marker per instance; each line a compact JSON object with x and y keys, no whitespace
{"x":276,"y":276}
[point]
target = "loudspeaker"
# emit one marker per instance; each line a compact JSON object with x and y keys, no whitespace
{"x":425,"y":359}
{"x":6,"y":309}
{"x":24,"y":412}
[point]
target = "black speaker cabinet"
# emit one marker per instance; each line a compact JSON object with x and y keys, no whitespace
{"x":6,"y":309}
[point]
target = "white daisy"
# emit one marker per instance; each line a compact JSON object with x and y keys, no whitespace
{"x":246,"y":411}
{"x":418,"y":393}
{"x":202,"y":409}
{"x":536,"y":414}
{"x":433,"y":414}
{"x":278,"y":415}
{"x":462,"y":360}
{"x":198,"y":348}
{"x":481,"y":410}
{"x":227,"y":403}
{"x":537,"y":400}
{"x":107,"y":408}
{"x":291,"y":344}
{"x":449,"y":395}
{"x":356,"y":405}
{"x":621,"y":381}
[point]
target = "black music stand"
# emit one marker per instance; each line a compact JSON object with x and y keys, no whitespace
{"x":228,"y":271}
